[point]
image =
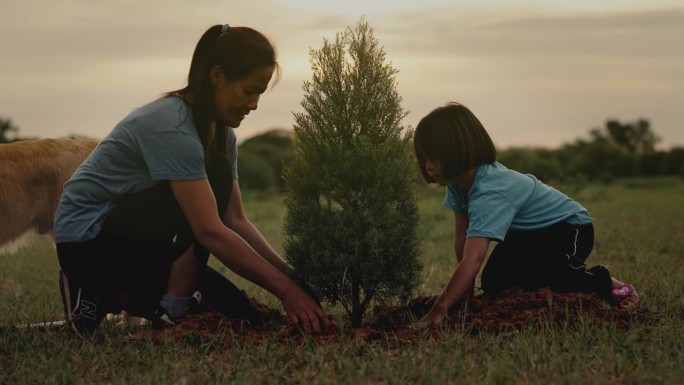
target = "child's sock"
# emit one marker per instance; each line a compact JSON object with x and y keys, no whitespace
{"x":177,"y":307}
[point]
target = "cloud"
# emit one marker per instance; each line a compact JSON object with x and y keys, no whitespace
{"x":86,"y":64}
{"x":451,"y":30}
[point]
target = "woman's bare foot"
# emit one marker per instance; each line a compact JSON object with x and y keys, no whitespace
{"x":629,"y":302}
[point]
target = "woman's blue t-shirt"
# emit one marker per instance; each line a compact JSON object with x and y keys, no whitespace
{"x":154,"y":143}
{"x":502,"y":200}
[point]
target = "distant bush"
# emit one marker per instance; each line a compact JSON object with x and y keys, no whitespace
{"x":262,"y":158}
{"x":255,"y":172}
{"x":542,"y":163}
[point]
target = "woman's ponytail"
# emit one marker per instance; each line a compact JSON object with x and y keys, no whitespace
{"x":199,"y":86}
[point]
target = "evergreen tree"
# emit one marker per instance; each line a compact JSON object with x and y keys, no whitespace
{"x":350,"y":227}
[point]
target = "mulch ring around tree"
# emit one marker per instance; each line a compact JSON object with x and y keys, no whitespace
{"x":510,"y":311}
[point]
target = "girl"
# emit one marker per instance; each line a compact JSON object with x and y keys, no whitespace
{"x":138,"y":219}
{"x":544,"y":236}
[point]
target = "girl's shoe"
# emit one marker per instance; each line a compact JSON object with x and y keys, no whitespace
{"x":620,"y":293}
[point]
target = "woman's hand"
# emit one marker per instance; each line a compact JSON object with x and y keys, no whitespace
{"x":434,"y":317}
{"x":304,"y":311}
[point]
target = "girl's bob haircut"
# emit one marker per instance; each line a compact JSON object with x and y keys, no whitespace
{"x":454,"y":136}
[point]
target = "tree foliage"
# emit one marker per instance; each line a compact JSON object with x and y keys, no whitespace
{"x":351,"y":216}
{"x":634,"y":138}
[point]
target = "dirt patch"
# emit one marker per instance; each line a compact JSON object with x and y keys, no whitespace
{"x":509,"y":311}
{"x":515,"y":309}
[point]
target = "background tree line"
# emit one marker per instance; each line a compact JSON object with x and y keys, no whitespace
{"x":617,"y":150}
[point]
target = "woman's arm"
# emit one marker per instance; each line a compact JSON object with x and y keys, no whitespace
{"x":461,"y":280}
{"x":236,"y":220}
{"x":199,"y":206}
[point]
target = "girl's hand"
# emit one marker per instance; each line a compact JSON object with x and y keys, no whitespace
{"x":304,"y":311}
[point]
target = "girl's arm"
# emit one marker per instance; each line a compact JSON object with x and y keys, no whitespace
{"x":196,"y":199}
{"x":461,"y":226}
{"x":461,"y":280}
{"x":236,"y":220}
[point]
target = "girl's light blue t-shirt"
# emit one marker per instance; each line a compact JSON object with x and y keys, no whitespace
{"x":157,"y":142}
{"x":502,"y":200}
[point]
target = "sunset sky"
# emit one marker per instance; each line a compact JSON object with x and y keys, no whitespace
{"x":536,"y":73}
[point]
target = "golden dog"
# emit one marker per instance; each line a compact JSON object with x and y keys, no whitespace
{"x":32,"y":177}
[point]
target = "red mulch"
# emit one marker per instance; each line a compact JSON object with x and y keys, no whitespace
{"x":509,"y":311}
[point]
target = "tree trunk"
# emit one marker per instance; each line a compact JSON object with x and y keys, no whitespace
{"x":357,"y":309}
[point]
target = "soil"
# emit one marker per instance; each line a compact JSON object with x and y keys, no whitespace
{"x":507,"y":312}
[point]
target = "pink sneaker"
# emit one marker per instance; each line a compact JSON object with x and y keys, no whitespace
{"x":619,"y":293}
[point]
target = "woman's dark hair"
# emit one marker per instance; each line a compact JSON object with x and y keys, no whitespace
{"x":454,"y":136}
{"x":239,"y":51}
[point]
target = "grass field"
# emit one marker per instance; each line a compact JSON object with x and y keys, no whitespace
{"x":639,"y":236}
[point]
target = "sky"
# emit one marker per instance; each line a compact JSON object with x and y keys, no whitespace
{"x":536,"y":73}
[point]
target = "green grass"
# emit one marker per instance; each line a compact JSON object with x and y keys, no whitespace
{"x":639,"y":236}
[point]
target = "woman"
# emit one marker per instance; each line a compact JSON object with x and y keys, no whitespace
{"x":138,"y":219}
